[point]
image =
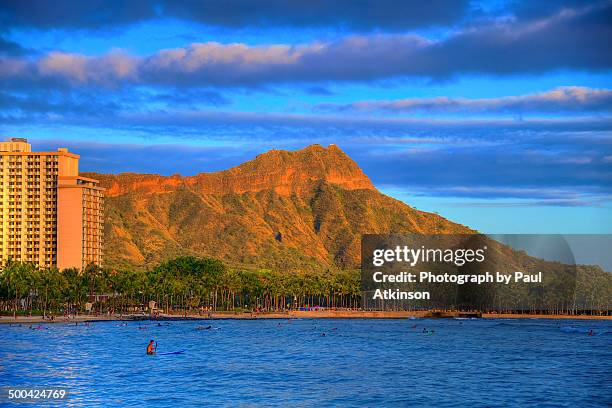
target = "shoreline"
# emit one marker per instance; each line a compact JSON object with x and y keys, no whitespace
{"x":320,"y":314}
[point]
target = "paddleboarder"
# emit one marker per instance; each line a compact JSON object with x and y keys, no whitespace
{"x":151,"y":347}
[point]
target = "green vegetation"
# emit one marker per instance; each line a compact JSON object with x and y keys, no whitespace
{"x":191,"y":285}
{"x":184,"y":284}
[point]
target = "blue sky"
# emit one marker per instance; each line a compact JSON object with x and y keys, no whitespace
{"x":494,"y":114}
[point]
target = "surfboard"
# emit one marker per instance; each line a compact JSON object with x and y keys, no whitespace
{"x":171,"y":353}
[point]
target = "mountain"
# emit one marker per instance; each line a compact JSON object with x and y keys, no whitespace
{"x":288,"y":210}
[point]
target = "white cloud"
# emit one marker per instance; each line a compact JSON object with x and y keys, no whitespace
{"x":561,"y":99}
{"x":577,"y":40}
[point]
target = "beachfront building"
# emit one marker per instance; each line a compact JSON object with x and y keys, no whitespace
{"x":49,"y":215}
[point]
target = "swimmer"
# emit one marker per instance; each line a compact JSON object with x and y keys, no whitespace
{"x":591,"y":332}
{"x":425,"y":331}
{"x":151,"y":348}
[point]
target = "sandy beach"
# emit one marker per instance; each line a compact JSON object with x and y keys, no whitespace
{"x":319,"y":314}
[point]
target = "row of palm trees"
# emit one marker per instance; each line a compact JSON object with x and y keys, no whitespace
{"x":183,"y":284}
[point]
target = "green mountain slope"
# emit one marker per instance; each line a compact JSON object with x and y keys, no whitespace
{"x":294,"y":211}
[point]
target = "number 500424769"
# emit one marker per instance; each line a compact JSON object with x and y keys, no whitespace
{"x":24,"y":394}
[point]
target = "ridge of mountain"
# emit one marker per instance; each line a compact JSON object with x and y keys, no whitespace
{"x":288,"y":210}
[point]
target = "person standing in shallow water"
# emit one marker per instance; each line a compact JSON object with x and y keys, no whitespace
{"x":151,"y":348}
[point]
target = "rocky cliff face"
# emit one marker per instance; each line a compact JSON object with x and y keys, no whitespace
{"x":290,"y":210}
{"x":280,"y":171}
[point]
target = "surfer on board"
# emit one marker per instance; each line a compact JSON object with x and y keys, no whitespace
{"x":151,"y":348}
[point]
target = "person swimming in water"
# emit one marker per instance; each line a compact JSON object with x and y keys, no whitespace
{"x":151,"y":348}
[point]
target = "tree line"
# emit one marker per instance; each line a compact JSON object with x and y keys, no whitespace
{"x":190,"y":285}
{"x":185,"y":284}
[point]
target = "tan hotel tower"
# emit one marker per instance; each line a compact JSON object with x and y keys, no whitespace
{"x":49,"y":215}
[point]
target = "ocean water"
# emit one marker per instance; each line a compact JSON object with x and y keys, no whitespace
{"x":360,"y":362}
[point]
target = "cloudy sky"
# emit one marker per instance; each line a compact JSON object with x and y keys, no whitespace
{"x":496,"y":114}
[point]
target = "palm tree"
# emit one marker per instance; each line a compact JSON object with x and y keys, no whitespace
{"x":52,"y":284}
{"x":18,"y":278}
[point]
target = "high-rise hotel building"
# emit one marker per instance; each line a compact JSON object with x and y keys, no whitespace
{"x":49,"y":215}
